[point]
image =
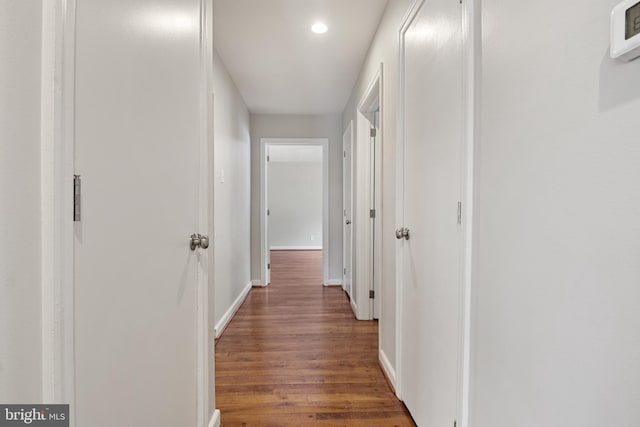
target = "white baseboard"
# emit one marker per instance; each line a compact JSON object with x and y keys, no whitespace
{"x":215,"y":419}
{"x":354,"y":307}
{"x":258,"y":283}
{"x":222,"y":324}
{"x":389,"y":372}
{"x":333,"y":282}
{"x":296,"y":248}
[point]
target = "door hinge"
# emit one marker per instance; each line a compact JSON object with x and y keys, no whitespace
{"x":268,"y":212}
{"x":455,"y":423}
{"x":268,"y":266}
{"x":344,"y":154}
{"x":373,"y":132}
{"x":372,"y":213}
{"x":459,"y":212}
{"x":372,"y":294}
{"x":268,"y":159}
{"x":77,"y":198}
{"x":344,"y":270}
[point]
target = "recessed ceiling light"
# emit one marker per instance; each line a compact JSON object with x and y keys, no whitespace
{"x":319,"y":28}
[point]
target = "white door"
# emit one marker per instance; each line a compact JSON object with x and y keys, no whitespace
{"x":138,"y":114}
{"x":430,"y":266}
{"x":347,"y":203}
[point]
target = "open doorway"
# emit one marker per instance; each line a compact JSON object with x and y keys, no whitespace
{"x":367,"y":251}
{"x":294,"y":198}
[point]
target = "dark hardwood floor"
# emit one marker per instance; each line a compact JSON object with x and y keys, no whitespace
{"x":294,"y":355}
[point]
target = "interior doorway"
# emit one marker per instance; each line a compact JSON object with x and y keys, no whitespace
{"x":292,"y":169}
{"x":366,"y":304}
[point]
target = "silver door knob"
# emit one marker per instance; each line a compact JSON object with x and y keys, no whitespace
{"x":195,"y":241}
{"x":199,"y":241}
{"x":402,"y":233}
{"x":348,"y":222}
{"x":204,"y":241}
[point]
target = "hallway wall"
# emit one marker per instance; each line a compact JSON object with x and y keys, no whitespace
{"x":557,"y":279}
{"x":232,"y":163}
{"x":384,"y":49}
{"x":20,"y":205}
{"x":295,"y":203}
{"x":299,"y":126}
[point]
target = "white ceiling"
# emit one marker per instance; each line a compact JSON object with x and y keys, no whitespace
{"x":280,"y":66}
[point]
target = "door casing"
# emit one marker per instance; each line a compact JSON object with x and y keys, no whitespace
{"x":367,"y":250}
{"x":347,"y":206}
{"x":264,"y":235}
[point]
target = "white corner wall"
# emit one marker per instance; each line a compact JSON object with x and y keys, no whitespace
{"x":300,"y":126}
{"x":556,"y":340}
{"x":384,"y":50}
{"x":232,"y":189}
{"x":20,"y":212}
{"x":295,"y":202}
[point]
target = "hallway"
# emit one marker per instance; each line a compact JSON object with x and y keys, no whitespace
{"x":480,"y":173}
{"x":294,"y":355}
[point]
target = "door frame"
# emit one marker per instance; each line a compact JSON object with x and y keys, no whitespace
{"x":347,"y":138}
{"x":57,"y":252}
{"x":264,"y":237}
{"x":471,"y":52}
{"x":205,"y":329}
{"x":58,"y":379}
{"x":368,"y":237}
{"x":471,"y":66}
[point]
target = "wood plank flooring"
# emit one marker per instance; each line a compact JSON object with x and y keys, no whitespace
{"x":294,"y":355}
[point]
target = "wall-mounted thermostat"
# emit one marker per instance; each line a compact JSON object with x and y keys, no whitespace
{"x":625,"y":30}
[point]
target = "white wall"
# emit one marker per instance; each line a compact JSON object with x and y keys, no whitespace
{"x":20,"y":237}
{"x":557,"y":279}
{"x":384,"y":49}
{"x":232,"y":163}
{"x":295,"y":204}
{"x":300,"y":126}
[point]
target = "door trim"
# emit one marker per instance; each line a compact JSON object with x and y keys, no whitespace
{"x":58,"y":166}
{"x":264,"y":250}
{"x":205,"y":330}
{"x":348,"y":135}
{"x":368,"y":240}
{"x":58,"y":361}
{"x":471,"y":57}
